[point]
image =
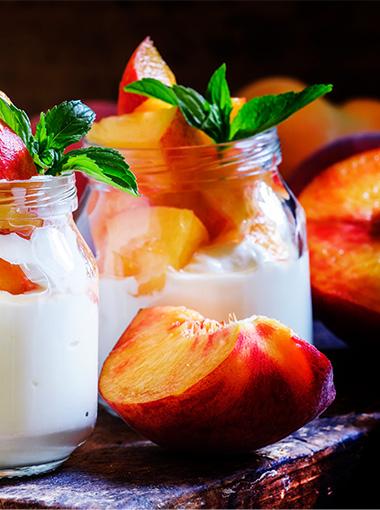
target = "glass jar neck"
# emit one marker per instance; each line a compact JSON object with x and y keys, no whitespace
{"x":43,"y":196}
{"x":193,"y":166}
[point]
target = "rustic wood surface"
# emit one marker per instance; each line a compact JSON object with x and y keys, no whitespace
{"x":325,"y":464}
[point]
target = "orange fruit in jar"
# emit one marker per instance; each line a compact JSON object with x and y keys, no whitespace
{"x":147,"y":241}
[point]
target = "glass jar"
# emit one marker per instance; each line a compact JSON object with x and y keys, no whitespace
{"x":216,"y":229}
{"x":48,"y":326}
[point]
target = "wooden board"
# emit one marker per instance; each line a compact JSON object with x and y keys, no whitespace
{"x":325,"y":462}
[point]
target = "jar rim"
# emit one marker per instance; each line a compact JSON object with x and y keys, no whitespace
{"x":43,"y":194}
{"x":68,"y":177}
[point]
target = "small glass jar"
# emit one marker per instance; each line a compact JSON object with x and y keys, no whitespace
{"x":216,"y":229}
{"x":48,"y":326}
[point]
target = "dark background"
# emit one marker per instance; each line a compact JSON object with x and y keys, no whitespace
{"x":61,"y":50}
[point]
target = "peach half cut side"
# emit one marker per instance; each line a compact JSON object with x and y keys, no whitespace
{"x":189,"y":383}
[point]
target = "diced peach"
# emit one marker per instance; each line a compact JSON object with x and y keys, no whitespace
{"x":14,"y":280}
{"x":237,"y":103}
{"x":105,"y":204}
{"x":135,"y":130}
{"x":145,"y":62}
{"x":151,"y":105}
{"x":15,"y":159}
{"x":18,"y":221}
{"x":146,"y":241}
{"x":187,"y":382}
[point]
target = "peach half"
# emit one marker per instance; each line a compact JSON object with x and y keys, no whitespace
{"x":342,"y":206}
{"x":190,"y":383}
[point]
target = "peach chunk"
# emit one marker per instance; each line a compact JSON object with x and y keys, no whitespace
{"x":146,"y":241}
{"x":145,"y":62}
{"x":15,"y":159}
{"x":144,"y":130}
{"x":14,"y":280}
{"x":190,"y":383}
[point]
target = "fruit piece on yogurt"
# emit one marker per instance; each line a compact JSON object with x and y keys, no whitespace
{"x":15,"y":159}
{"x":144,"y":130}
{"x":342,"y":206}
{"x":147,"y":241}
{"x":14,"y":280}
{"x":105,"y":204}
{"x":147,"y":138}
{"x":145,"y":62}
{"x":187,"y":382}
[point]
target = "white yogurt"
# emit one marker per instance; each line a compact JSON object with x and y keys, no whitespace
{"x":238,"y":280}
{"x":48,"y":351}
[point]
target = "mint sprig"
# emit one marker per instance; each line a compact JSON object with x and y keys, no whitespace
{"x":211,"y":114}
{"x":61,"y":126}
{"x":262,"y":113}
{"x":111,"y":164}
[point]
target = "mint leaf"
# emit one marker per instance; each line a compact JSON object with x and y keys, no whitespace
{"x":64,"y":124}
{"x":103,"y":164}
{"x":198,"y":112}
{"x":17,"y":120}
{"x":211,"y":114}
{"x":262,"y":113}
{"x":41,"y":132}
{"x":150,"y":87}
{"x":218,"y":93}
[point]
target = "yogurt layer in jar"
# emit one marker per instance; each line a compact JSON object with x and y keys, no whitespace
{"x":48,"y":326}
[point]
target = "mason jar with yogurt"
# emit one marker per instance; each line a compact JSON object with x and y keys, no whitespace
{"x":48,"y":326}
{"x":215,"y":229}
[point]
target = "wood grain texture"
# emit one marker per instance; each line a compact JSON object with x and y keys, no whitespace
{"x":118,"y":469}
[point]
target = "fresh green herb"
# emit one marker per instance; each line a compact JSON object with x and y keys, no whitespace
{"x":212,"y":113}
{"x":98,"y":160}
{"x":60,"y":127}
{"x":262,"y":113}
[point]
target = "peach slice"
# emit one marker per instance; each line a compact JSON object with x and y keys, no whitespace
{"x":146,"y":241}
{"x":15,"y":159}
{"x":103,"y":205}
{"x":190,"y":383}
{"x":14,"y":280}
{"x":342,"y":205}
{"x":145,"y":62}
{"x":144,"y":130}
